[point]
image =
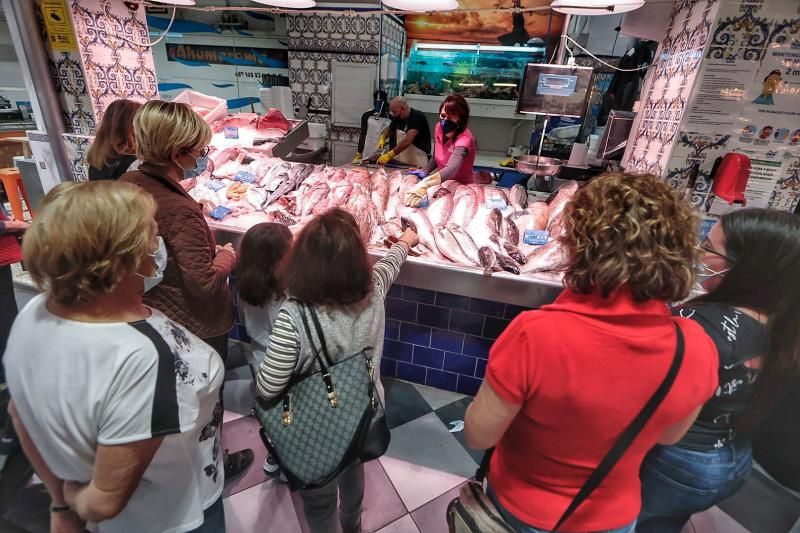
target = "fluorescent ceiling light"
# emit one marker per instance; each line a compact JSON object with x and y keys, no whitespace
{"x":478,"y":47}
{"x":176,"y":2}
{"x":422,"y":6}
{"x":504,"y":84}
{"x":289,"y":4}
{"x":595,"y":7}
{"x":471,"y":84}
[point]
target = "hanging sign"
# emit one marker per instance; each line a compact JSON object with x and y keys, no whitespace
{"x":60,"y":34}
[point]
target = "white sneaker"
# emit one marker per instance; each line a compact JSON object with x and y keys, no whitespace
{"x":271,"y":466}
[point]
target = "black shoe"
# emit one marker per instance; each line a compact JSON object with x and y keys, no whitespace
{"x":237,"y":462}
{"x":352,"y":529}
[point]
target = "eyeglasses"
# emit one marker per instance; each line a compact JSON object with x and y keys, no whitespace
{"x":706,"y":247}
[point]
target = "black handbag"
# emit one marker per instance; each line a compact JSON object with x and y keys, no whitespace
{"x":325,"y":421}
{"x":474,"y":512}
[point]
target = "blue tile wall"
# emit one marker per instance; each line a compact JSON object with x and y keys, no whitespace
{"x":432,"y":338}
{"x":439,"y":339}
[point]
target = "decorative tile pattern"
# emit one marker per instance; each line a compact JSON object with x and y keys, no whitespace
{"x":112,"y":40}
{"x":695,"y":153}
{"x":77,"y":146}
{"x":669,"y":85}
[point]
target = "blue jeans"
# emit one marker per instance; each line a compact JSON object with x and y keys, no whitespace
{"x":521,"y":527}
{"x":677,"y":483}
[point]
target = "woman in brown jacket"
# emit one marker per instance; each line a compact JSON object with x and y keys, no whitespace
{"x":172,"y":140}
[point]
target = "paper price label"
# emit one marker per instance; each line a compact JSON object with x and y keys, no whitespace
{"x":215,"y":185}
{"x":219,"y":212}
{"x":496,"y":203}
{"x":536,"y":237}
{"x":231,"y":132}
{"x":245,"y":177}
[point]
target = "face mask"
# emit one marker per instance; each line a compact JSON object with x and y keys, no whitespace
{"x":200,"y":166}
{"x":160,"y":257}
{"x":378,"y":106}
{"x":448,"y":126}
{"x":706,"y":273}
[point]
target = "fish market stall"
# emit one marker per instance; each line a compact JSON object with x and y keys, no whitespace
{"x":475,"y":240}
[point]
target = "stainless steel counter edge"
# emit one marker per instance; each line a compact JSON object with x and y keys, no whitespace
{"x":527,"y":291}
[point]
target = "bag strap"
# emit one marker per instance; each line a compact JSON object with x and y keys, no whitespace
{"x":630,"y":433}
{"x":322,"y":363}
{"x":321,"y":336}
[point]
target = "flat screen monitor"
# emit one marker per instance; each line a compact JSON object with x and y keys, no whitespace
{"x":615,"y":136}
{"x":555,"y":90}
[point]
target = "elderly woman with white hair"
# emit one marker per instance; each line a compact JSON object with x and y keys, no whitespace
{"x":115,"y":405}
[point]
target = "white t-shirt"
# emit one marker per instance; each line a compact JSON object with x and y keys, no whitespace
{"x":78,"y":385}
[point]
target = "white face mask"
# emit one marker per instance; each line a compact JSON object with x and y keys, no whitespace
{"x":160,"y":257}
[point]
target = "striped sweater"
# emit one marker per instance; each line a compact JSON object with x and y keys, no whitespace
{"x":347,"y":331}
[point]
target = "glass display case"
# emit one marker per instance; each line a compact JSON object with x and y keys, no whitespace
{"x":474,"y":71}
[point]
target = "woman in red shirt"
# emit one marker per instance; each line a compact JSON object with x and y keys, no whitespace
{"x":563,"y":382}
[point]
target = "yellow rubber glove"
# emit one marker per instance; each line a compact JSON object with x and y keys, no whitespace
{"x":385,"y":158}
{"x":382,"y":142}
{"x":357,"y":159}
{"x":415,"y":196}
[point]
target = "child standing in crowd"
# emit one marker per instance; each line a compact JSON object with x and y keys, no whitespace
{"x":261,"y":293}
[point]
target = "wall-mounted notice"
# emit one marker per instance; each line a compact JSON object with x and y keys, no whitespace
{"x":60,"y":34}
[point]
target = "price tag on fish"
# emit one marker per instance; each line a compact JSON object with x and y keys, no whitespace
{"x":536,"y":237}
{"x":219,"y":212}
{"x":245,"y":177}
{"x":231,"y":132}
{"x":215,"y":185}
{"x":496,"y":202}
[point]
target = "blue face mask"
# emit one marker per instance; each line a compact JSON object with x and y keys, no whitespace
{"x":200,"y":166}
{"x":379,"y":106}
{"x":160,"y":259}
{"x":448,"y":126}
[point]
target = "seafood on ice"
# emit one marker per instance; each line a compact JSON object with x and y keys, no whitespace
{"x":478,"y":226}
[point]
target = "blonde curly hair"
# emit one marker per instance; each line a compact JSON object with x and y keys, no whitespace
{"x":632,"y":230}
{"x":87,"y":237}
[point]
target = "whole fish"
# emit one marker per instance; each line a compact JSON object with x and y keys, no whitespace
{"x":466,"y":207}
{"x":416,"y":220}
{"x":518,"y":197}
{"x":510,"y":249}
{"x":507,"y":264}
{"x":439,"y":210}
{"x":488,"y":260}
{"x":294,"y":178}
{"x":554,"y":223}
{"x":448,"y":246}
{"x":380,"y":189}
{"x":318,"y":194}
{"x":511,"y":231}
{"x":550,"y":256}
{"x":466,"y":243}
{"x":340,"y":193}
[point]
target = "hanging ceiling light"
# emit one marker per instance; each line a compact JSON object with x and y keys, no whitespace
{"x":422,"y":6}
{"x":595,"y":7}
{"x":288,"y":4}
{"x":176,"y":2}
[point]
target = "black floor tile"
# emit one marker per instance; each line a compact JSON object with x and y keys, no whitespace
{"x":763,"y":506}
{"x":403,"y":402}
{"x":454,"y":412}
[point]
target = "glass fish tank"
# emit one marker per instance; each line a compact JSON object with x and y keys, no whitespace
{"x":474,"y":71}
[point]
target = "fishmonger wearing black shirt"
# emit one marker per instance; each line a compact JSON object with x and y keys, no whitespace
{"x":409,"y":135}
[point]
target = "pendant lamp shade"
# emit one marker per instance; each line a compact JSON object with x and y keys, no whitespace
{"x":422,"y":5}
{"x":176,"y":2}
{"x":595,"y":7}
{"x":288,"y":4}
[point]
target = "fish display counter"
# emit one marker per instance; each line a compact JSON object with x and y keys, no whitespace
{"x":475,"y":240}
